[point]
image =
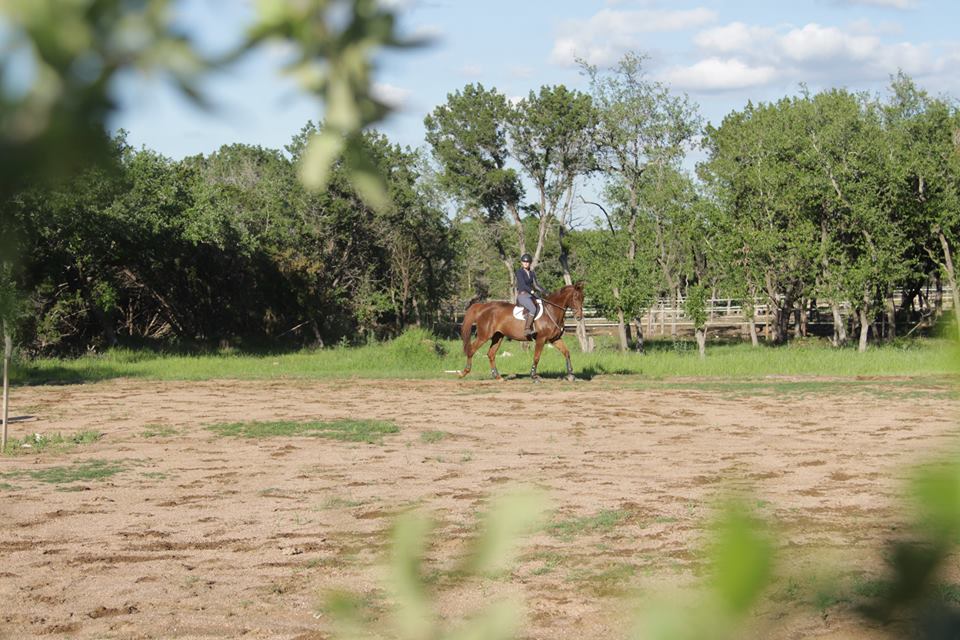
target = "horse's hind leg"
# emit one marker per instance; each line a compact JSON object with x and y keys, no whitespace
{"x":492,"y":355}
{"x":472,"y":349}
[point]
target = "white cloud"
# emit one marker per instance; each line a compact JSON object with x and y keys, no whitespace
{"x":738,"y":55}
{"x":893,"y":4}
{"x":605,"y":36}
{"x":733,"y":37}
{"x":813,"y":42}
{"x":715,"y":74}
{"x":391,"y":95}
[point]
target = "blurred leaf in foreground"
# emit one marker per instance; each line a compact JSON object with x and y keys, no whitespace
{"x":415,"y":601}
{"x":740,"y":554}
{"x":917,"y":565}
{"x":333,"y":43}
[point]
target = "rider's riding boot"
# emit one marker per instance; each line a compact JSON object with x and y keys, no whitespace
{"x":528,"y":326}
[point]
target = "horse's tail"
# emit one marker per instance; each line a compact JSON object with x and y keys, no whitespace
{"x":466,"y":329}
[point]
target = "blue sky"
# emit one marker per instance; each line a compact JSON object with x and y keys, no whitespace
{"x":721,"y":54}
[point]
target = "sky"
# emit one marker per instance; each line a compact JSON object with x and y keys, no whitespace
{"x":721,"y":54}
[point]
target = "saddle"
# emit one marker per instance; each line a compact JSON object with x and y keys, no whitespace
{"x":518,"y":310}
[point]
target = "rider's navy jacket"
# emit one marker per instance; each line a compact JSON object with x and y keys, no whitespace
{"x":527,"y":281}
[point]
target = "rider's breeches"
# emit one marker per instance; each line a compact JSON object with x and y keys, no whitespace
{"x":525,"y":300}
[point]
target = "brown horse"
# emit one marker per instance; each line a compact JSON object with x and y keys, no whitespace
{"x":495,"y":322}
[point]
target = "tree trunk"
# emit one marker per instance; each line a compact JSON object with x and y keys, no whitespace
{"x":864,"y":329}
{"x":951,"y":278}
{"x":804,"y":312}
{"x":752,"y":323}
{"x":417,"y":320}
{"x":106,"y":326}
{"x":317,"y":336}
{"x":518,"y":227}
{"x":702,"y":341}
{"x":676,"y":312}
{"x":839,"y":327}
{"x":938,"y":296}
{"x":891,"y":332}
{"x":508,"y":265}
{"x":622,"y":330}
{"x":864,"y":313}
{"x":638,"y":323}
{"x":568,"y":279}
{"x":7,"y":353}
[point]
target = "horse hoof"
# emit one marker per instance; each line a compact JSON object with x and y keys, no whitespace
{"x":536,"y":379}
{"x":463,"y":374}
{"x":571,"y":377}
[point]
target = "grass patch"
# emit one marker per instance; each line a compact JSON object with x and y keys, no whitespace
{"x":77,"y":472}
{"x":430,"y":437}
{"x":610,"y":581}
{"x":418,"y":354}
{"x":600,"y":523}
{"x":337,"y":502}
{"x":550,"y":559}
{"x":57,"y":442}
{"x":347,"y":430}
{"x":949,"y":593}
{"x":157,"y":431}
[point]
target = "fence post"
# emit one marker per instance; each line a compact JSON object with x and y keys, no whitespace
{"x":7,"y":352}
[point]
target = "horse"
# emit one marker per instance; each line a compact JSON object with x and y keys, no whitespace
{"x":495,"y":321}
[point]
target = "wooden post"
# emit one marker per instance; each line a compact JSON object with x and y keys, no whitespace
{"x":7,"y":351}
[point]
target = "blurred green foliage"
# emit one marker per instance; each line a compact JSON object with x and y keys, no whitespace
{"x":414,"y":615}
{"x":741,"y":554}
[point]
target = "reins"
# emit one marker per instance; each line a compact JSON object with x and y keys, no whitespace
{"x":558,"y":306}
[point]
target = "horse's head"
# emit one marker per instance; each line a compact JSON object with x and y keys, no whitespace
{"x":576,"y":301}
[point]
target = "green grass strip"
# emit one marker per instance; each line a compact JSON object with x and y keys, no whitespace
{"x":39,"y":443}
{"x":432,"y":358}
{"x":346,"y":430}
{"x":77,"y":472}
{"x":603,"y":521}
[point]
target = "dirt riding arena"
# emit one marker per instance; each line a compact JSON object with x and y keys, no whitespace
{"x":202,"y":536}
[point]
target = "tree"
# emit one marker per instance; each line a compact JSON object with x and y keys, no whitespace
{"x":468,"y":137}
{"x":616,"y":286}
{"x":923,"y":132}
{"x":550,"y":140}
{"x":762,"y":202}
{"x":640,"y":124}
{"x":695,"y":306}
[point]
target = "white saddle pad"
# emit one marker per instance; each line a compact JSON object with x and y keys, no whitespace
{"x":518,"y":311}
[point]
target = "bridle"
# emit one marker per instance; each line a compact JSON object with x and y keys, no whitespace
{"x":562,"y":308}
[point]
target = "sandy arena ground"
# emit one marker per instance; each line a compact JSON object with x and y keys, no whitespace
{"x":202,"y":536}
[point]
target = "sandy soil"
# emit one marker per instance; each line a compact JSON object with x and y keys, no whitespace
{"x":202,"y":536}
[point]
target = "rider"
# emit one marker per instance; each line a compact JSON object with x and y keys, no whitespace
{"x":527,"y":285}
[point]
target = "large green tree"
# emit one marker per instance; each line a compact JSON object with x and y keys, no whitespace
{"x":642,"y":133}
{"x":468,"y":138}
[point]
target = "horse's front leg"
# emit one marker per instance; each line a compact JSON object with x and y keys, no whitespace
{"x":538,"y":349}
{"x":492,"y":355}
{"x":558,"y":343}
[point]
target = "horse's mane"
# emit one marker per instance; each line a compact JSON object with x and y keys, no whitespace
{"x":474,"y":300}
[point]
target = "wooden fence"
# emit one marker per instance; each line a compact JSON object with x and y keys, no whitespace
{"x":725,"y":315}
